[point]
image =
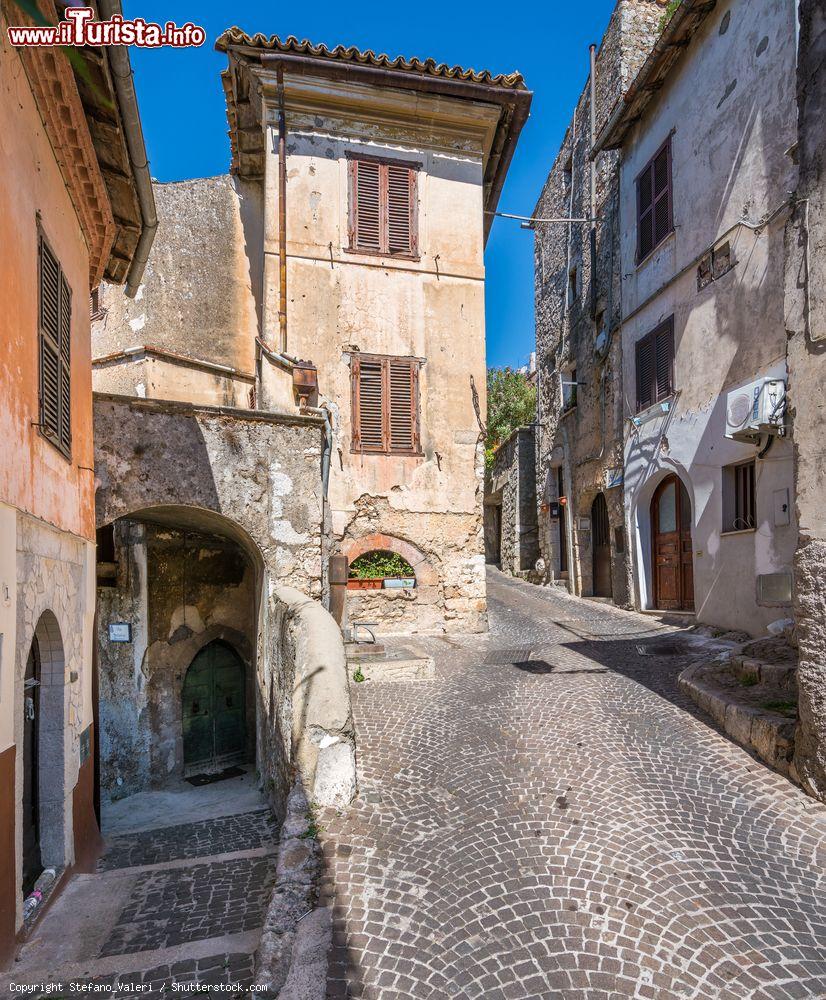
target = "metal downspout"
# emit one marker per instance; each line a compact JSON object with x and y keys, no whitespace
{"x":282,"y":213}
{"x":121,"y":70}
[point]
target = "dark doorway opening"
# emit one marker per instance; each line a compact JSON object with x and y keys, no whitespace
{"x":214,"y":710}
{"x":32,"y":861}
{"x":601,"y":545}
{"x":562,"y":524}
{"x":672,"y":571}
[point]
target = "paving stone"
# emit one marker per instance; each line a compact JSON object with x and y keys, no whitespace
{"x":576,"y":831}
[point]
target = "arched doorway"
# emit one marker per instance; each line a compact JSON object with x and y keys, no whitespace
{"x":601,"y":547}
{"x":214,"y":710}
{"x":672,"y":569}
{"x":44,"y":780}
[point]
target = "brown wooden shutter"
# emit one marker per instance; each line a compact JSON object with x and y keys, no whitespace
{"x":49,"y":338}
{"x":403,"y":405}
{"x":400,"y":205}
{"x":65,"y":365}
{"x":664,"y":352}
{"x":371,"y":405}
{"x":654,"y":202}
{"x":367,"y":205}
{"x":646,"y":366}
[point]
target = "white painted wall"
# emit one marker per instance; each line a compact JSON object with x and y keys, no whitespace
{"x":729,"y":106}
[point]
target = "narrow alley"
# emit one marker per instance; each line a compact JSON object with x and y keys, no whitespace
{"x":550,"y":818}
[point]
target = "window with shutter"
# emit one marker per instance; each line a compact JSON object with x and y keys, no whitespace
{"x":383,"y":202}
{"x":54,"y":338}
{"x":654,"y":202}
{"x":385,"y":395}
{"x":655,"y":365}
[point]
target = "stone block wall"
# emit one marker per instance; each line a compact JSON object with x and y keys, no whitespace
{"x":512,"y":487}
{"x":578,"y":311}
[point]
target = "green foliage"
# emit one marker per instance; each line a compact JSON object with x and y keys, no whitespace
{"x":511,"y":404}
{"x":358,"y":676}
{"x":380,"y":565}
{"x":670,"y":9}
{"x":781,"y":707}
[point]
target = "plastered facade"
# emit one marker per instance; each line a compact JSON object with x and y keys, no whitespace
{"x":731,"y":178}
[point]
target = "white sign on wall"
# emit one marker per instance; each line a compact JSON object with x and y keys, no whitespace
{"x":120,"y":632}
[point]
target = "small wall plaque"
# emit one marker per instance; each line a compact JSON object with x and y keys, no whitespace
{"x":554,"y":509}
{"x":585,"y":524}
{"x":85,"y":744}
{"x":120,"y":632}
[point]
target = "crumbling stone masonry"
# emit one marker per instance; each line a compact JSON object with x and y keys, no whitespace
{"x":806,"y":329}
{"x":578,"y":312}
{"x":511,"y":538}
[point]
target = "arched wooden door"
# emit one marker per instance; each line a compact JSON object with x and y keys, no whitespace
{"x":601,"y":547}
{"x":214,"y":710}
{"x":672,"y":571}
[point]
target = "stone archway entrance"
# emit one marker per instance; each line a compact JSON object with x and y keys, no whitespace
{"x":601,"y":547}
{"x":672,"y":564}
{"x":214,"y":710}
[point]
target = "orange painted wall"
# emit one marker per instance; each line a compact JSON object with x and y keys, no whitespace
{"x":34,"y":475}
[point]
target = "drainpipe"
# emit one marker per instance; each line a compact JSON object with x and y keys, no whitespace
{"x":282,"y":212}
{"x":322,"y":411}
{"x":121,"y":70}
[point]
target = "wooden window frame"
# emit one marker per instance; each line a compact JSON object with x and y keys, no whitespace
{"x":740,"y":496}
{"x":384,"y":233}
{"x":669,"y":194}
{"x":60,"y":436}
{"x":667,"y":328}
{"x":385,"y":360}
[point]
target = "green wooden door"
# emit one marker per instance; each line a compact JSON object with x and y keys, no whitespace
{"x":214,"y":709}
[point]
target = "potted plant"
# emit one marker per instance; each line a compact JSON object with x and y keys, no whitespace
{"x":375,"y":570}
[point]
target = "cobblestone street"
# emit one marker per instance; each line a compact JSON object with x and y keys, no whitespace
{"x":550,"y":817}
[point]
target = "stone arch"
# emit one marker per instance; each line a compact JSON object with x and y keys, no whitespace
{"x":52,"y":792}
{"x":425,"y":573}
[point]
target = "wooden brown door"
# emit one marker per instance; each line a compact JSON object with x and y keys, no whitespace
{"x":601,"y":546}
{"x":673,"y":568}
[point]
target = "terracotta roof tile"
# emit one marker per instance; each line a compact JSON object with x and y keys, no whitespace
{"x":427,"y":67}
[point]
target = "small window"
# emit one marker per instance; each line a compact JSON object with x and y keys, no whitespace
{"x":54,"y":337}
{"x":569,"y":387}
{"x":385,"y":397}
{"x":654,"y":202}
{"x":714,"y":265}
{"x":94,"y":304}
{"x":383,"y":207}
{"x":572,"y":286}
{"x":568,"y":173}
{"x":655,"y":365}
{"x":738,"y":497}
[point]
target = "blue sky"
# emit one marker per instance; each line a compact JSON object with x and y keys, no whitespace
{"x":182,"y":104}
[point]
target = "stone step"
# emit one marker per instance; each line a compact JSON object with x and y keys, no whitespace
{"x":762,"y":672}
{"x":770,"y":734}
{"x":395,"y":665}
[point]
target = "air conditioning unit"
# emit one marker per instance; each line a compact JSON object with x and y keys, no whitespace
{"x":755,"y":409}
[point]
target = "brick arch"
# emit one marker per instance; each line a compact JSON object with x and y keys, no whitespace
{"x":426,"y":575}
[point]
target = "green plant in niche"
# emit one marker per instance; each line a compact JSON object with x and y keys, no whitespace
{"x":381,"y":565}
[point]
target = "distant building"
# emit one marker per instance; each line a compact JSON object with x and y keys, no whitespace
{"x":75,"y":208}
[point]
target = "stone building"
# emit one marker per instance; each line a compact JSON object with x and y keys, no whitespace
{"x":75,"y":208}
{"x":580,"y":410}
{"x":805,"y":325}
{"x":704,"y":132}
{"x":338,"y":273}
{"x":511,"y":537}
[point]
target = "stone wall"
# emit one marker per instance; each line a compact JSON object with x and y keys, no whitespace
{"x":512,"y":488}
{"x":578,"y":312}
{"x":806,"y":329}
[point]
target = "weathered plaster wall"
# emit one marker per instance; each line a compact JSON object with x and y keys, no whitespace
{"x":180,"y":590}
{"x":197,"y":298}
{"x":806,"y":328}
{"x":728,"y":164}
{"x":575,"y":303}
{"x":433,"y":308}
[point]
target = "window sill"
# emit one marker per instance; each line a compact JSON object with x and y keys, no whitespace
{"x":644,"y":260}
{"x":386,"y":454}
{"x":737,"y":531}
{"x":415,"y":257}
{"x":642,"y":416}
